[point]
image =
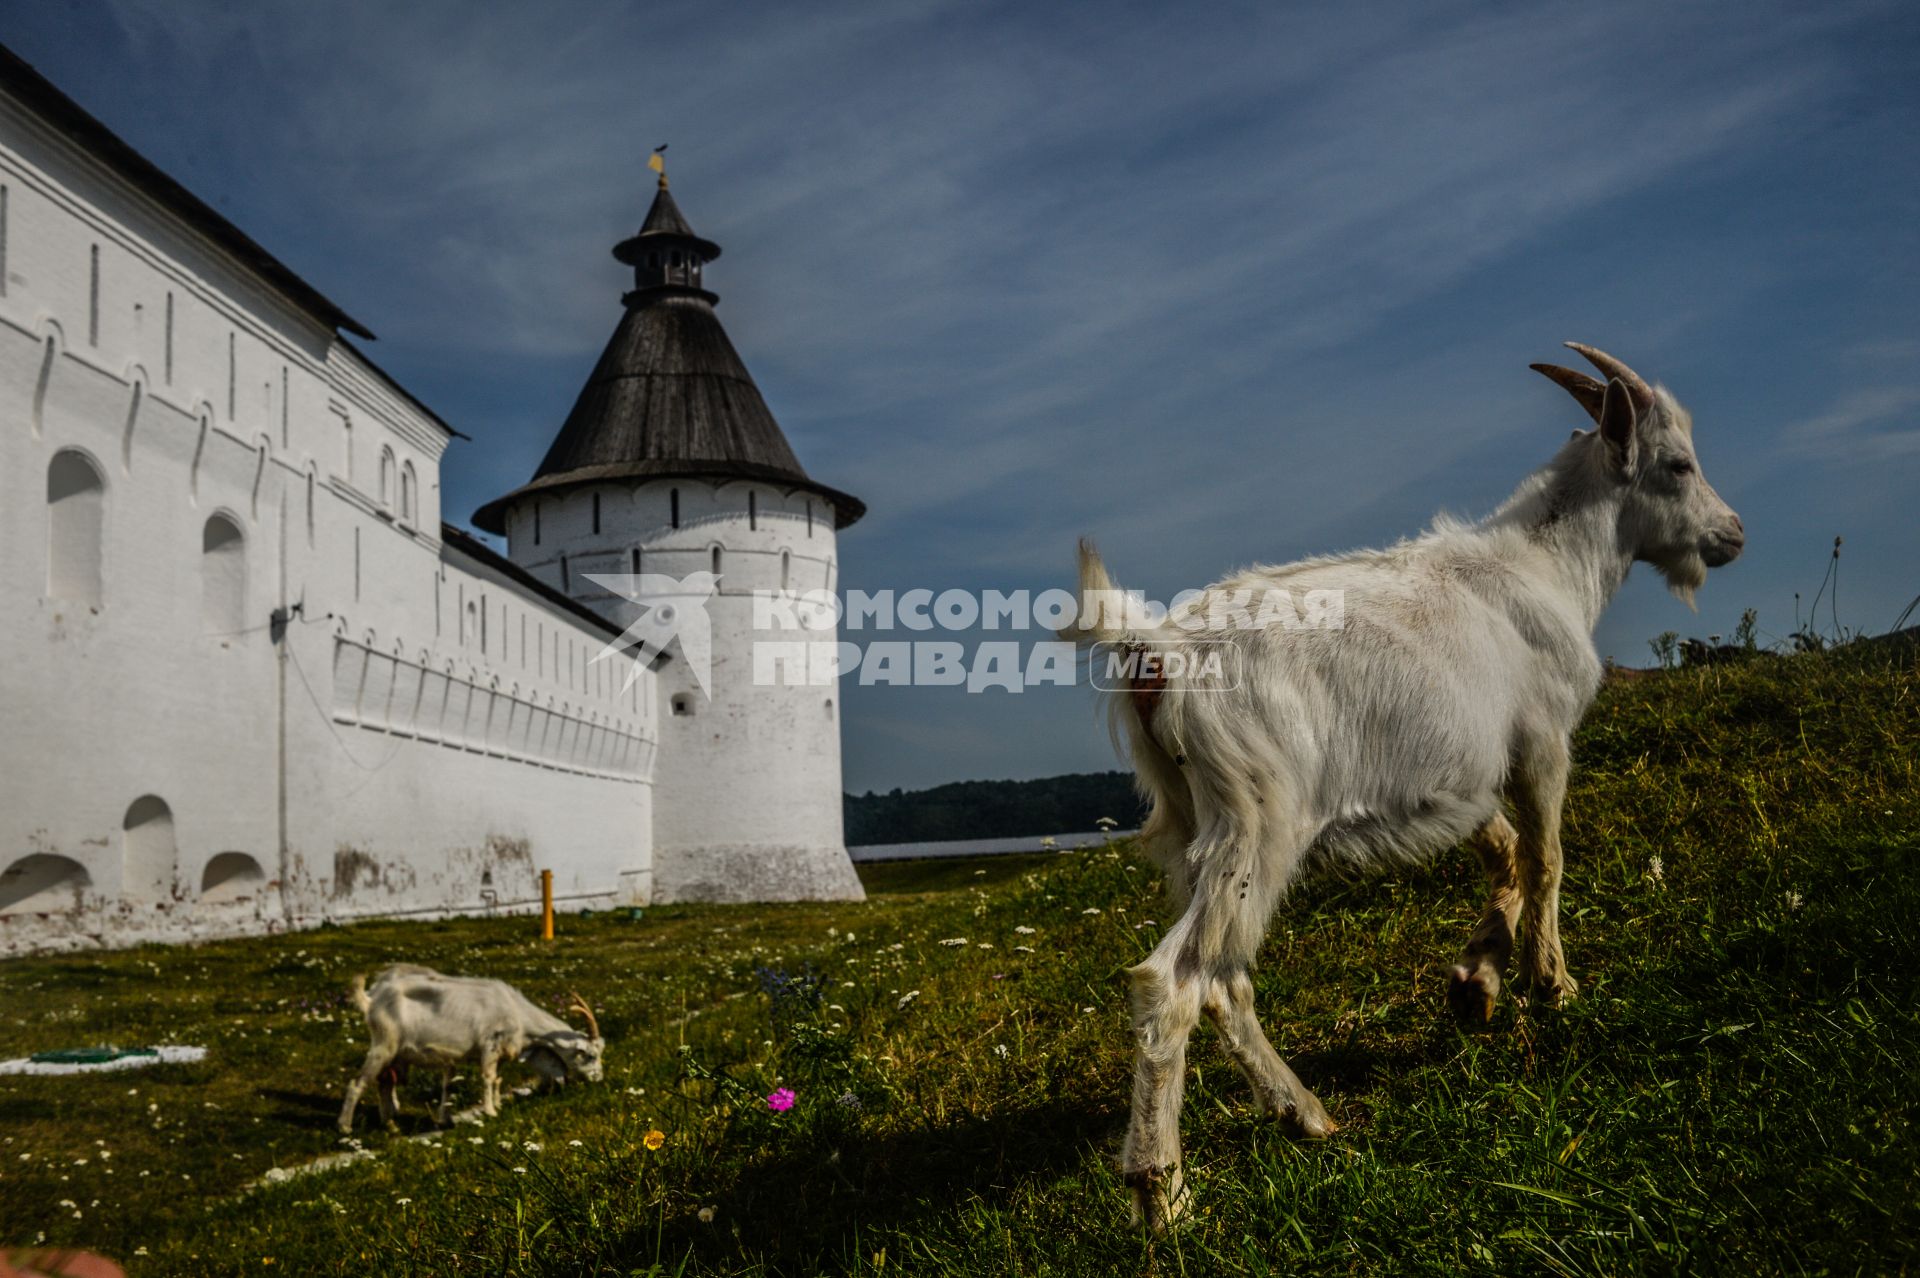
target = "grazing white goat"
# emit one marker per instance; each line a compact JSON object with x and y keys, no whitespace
{"x":416,"y":1016}
{"x":1464,"y":662}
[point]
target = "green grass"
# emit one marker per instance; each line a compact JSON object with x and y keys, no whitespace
{"x":1734,"y":1092}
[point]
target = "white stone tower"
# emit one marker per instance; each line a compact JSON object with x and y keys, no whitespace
{"x":671,"y":464}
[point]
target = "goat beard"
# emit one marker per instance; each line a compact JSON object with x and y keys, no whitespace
{"x":1684,"y":573}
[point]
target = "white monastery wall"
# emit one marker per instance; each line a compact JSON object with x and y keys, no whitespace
{"x":182,"y":453}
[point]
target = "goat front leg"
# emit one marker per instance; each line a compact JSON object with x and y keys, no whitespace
{"x":1475,"y":981}
{"x":1277,"y":1089}
{"x":490,"y":1084}
{"x":1539,"y":791}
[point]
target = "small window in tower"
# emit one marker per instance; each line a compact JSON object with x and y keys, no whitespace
{"x":716,"y":561}
{"x":829,"y":707}
{"x":636,"y":561}
{"x":809,"y":516}
{"x":786,"y":570}
{"x":673,"y":505}
{"x":596,"y":512}
{"x":536,"y":523}
{"x":753,"y":511}
{"x":682,"y":704}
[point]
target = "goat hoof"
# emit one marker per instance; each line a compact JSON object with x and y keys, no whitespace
{"x":1472,"y":995}
{"x":1550,"y":991}
{"x":1307,"y":1119}
{"x":1159,"y":1196}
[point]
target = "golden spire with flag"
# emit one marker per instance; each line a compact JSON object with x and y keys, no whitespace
{"x":658,"y":163}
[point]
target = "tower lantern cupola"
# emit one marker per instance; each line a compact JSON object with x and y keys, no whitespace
{"x":666,"y":253}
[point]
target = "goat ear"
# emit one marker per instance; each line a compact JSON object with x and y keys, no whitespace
{"x":1616,"y":423}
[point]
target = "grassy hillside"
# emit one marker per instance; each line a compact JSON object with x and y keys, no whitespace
{"x":1732,"y":1093}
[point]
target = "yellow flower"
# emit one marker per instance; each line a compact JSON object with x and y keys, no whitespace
{"x":654,"y":1139}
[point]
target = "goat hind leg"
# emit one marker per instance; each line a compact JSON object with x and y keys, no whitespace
{"x":369,"y":1074}
{"x":1475,"y":981}
{"x":1278,"y":1089}
{"x":1165,"y":1007}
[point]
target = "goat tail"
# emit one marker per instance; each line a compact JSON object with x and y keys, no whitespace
{"x":1103,"y":607}
{"x":358,"y":992}
{"x":1140,"y":721}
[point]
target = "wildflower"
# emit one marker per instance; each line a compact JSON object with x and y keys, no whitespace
{"x":1086,"y":1009}
{"x":575,"y":1144}
{"x":655,"y":1138}
{"x":1049,"y":843}
{"x":954,"y":940}
{"x":780,"y":1099}
{"x":706,"y":1215}
{"x":520,"y":1171}
{"x":403,"y":1201}
{"x":1656,"y":870}
{"x":476,"y":1140}
{"x":1794,"y":901}
{"x":1023,"y":949}
{"x":1091,"y":909}
{"x":985,"y":945}
{"x":1024,"y":930}
{"x":1001,"y":1050}
{"x":847,"y":1100}
{"x":1105,"y":824}
{"x":906,"y":998}
{"x":532,"y":1147}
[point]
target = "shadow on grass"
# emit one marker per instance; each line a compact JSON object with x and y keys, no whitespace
{"x":810,"y":1210}
{"x":313,"y":1111}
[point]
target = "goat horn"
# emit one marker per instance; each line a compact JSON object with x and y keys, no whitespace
{"x":1583,"y":388}
{"x":580,"y":1006}
{"x":1636,"y":385}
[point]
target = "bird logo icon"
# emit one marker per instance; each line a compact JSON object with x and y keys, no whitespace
{"x":670,"y":608}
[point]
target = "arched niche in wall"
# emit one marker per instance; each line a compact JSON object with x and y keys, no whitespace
{"x":231,"y":877}
{"x":76,"y":528}
{"x":149,"y":855}
{"x":43,"y":883}
{"x":223,"y":577}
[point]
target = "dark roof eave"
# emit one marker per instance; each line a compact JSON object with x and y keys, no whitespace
{"x":394,"y":385}
{"x":19,"y":79}
{"x":491,"y":517}
{"x":465,"y":542}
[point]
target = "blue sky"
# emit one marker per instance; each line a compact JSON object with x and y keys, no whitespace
{"x":1218,"y":284}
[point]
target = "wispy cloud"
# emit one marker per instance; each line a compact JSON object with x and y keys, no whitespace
{"x":1864,"y":426}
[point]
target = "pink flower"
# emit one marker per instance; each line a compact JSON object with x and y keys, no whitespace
{"x":780,"y":1100}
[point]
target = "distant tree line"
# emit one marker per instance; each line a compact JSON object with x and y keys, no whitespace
{"x":993,"y":809}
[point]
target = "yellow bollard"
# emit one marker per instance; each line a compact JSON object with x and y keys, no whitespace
{"x":546,"y":905}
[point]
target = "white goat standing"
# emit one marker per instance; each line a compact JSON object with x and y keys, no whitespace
{"x":417,"y":1016}
{"x":1464,"y":663}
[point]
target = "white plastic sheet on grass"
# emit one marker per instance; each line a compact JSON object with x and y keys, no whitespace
{"x":167,"y":1056}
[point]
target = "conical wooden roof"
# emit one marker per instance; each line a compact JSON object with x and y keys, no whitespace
{"x":670,"y":396}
